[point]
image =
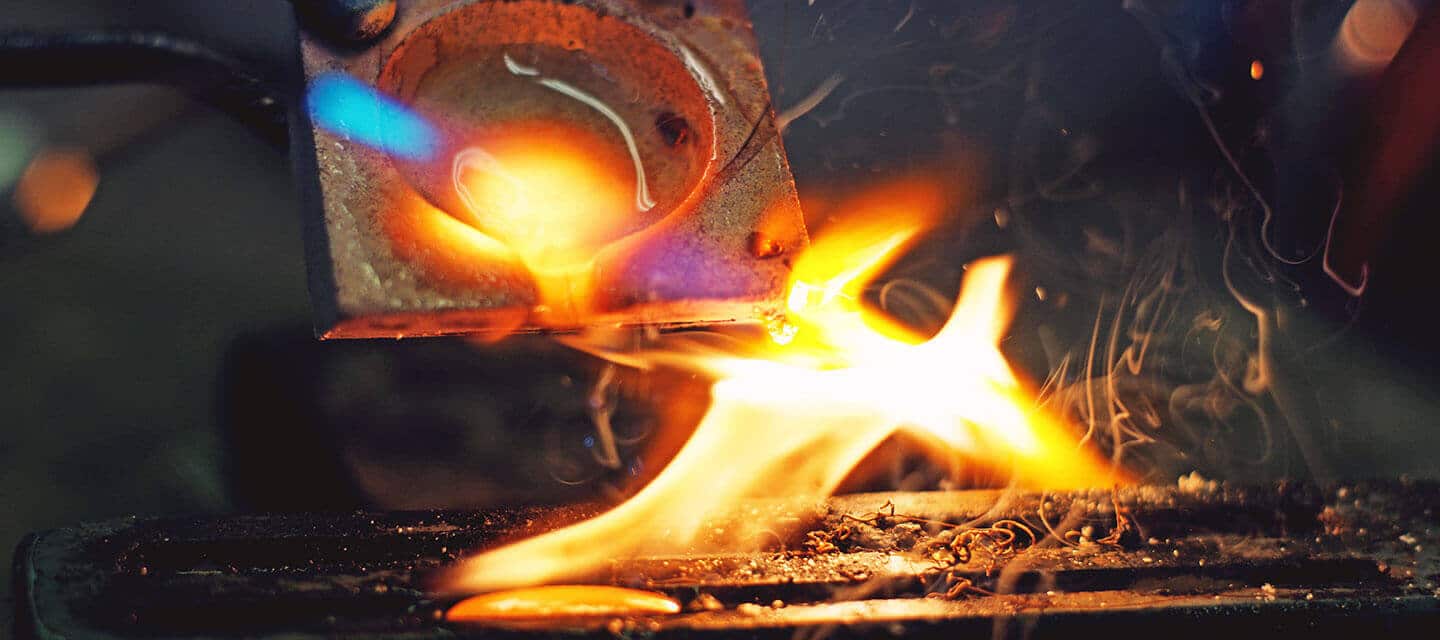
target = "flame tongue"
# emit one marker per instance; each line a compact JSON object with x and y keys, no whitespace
{"x":795,"y":420}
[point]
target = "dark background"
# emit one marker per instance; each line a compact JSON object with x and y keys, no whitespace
{"x":156,"y":358}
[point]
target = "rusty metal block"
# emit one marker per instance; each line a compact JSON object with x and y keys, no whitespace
{"x":390,"y":257}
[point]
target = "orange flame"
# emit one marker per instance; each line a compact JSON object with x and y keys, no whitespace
{"x":793,"y":420}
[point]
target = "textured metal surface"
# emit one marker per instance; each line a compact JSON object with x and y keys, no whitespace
{"x":1211,"y":559}
{"x":693,"y":266}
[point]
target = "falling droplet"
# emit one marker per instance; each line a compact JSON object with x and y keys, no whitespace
{"x":1257,"y":70}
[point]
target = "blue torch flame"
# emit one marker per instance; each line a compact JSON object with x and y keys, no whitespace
{"x":348,"y":107}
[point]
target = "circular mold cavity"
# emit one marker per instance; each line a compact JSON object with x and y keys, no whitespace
{"x":564,"y":128}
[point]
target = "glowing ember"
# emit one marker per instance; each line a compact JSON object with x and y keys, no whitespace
{"x":793,"y":420}
{"x":560,"y":601}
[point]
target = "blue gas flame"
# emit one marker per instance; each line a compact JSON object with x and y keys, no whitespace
{"x":350,"y":108}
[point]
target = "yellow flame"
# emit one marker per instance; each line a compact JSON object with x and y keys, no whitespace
{"x":793,"y":420}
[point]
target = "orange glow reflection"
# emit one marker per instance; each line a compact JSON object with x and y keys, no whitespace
{"x":55,"y":190}
{"x":1372,"y":33}
{"x":552,"y":192}
{"x":793,"y":420}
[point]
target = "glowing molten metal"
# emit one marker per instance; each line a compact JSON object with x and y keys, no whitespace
{"x":548,"y":192}
{"x":793,"y":420}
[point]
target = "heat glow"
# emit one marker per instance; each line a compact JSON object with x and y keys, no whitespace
{"x":793,"y":420}
{"x":554,"y":195}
